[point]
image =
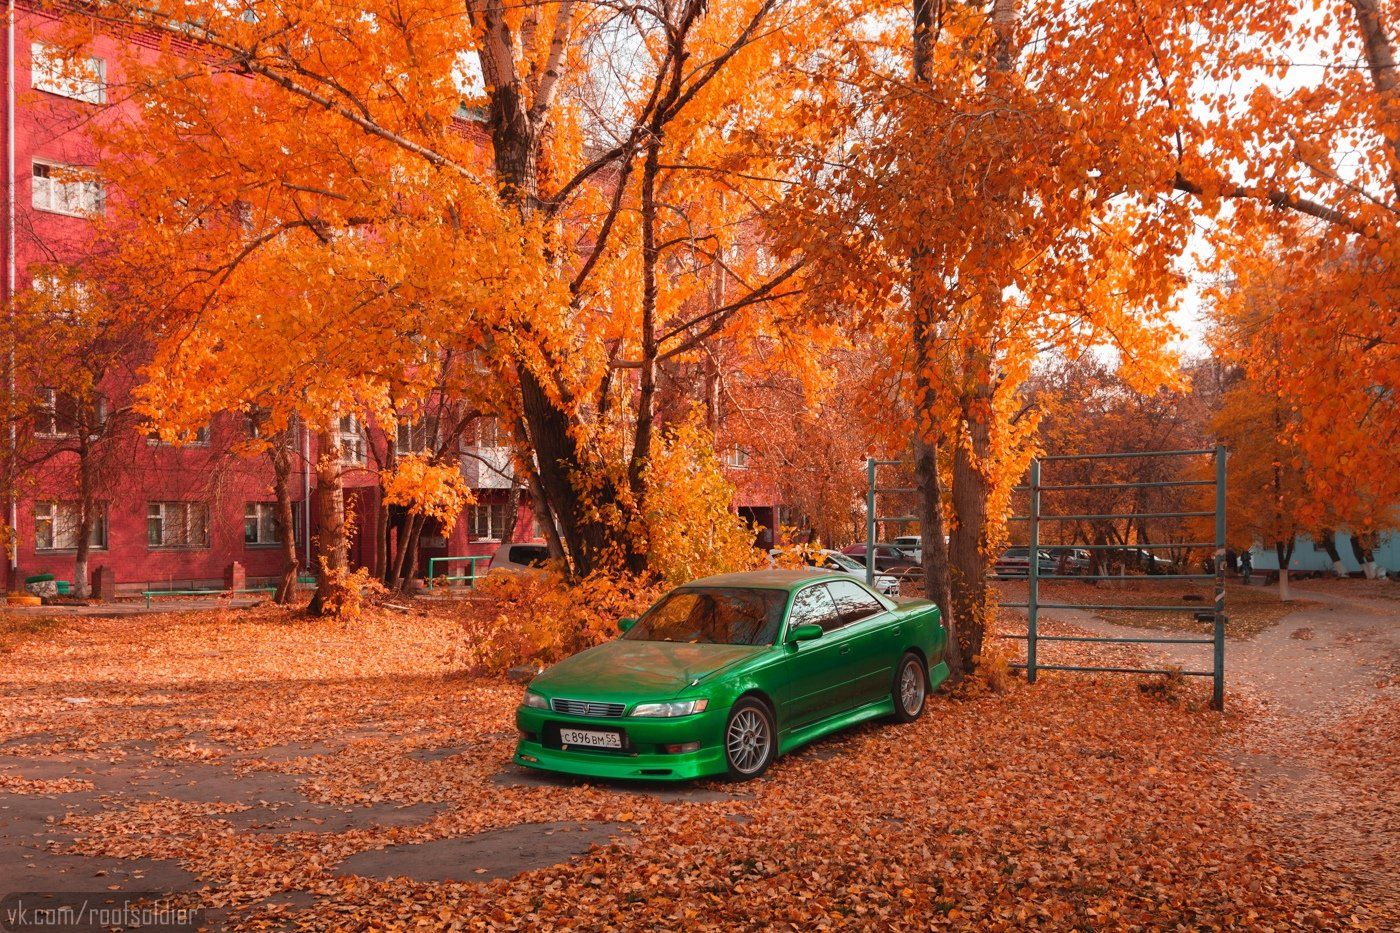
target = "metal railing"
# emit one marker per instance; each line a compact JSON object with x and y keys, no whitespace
{"x":1034,"y":605}
{"x":470,"y":577}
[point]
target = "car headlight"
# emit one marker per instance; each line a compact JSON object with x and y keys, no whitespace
{"x":534,"y":700}
{"x":671,"y":708}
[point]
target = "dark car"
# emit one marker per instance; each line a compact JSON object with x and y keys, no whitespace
{"x":887,"y":556}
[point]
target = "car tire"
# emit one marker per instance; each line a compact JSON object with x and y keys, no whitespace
{"x":750,"y":739}
{"x":910,"y":690}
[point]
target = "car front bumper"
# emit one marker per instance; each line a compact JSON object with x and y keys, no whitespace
{"x":642,"y":757}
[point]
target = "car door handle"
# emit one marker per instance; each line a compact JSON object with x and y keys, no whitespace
{"x":845,"y":649}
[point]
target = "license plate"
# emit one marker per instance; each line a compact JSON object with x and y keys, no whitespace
{"x":589,"y":738}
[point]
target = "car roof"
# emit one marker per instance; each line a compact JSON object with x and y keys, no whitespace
{"x":775,"y":579}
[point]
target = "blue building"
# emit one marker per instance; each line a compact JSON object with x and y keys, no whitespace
{"x":1308,"y":557}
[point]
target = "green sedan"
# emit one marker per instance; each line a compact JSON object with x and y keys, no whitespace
{"x":724,"y":674}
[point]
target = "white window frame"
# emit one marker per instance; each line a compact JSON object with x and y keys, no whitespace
{"x":415,"y":436}
{"x":264,"y":518}
{"x":352,"y":441}
{"x":47,"y":424}
{"x":83,"y":198}
{"x":494,"y":524}
{"x":61,"y":520}
{"x":736,"y":458}
{"x":47,"y":74}
{"x":191,"y":516}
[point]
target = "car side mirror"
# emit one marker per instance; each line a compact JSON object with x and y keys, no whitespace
{"x":805,"y":632}
{"x":625,"y":625}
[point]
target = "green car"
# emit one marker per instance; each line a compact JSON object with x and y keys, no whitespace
{"x":724,"y":674}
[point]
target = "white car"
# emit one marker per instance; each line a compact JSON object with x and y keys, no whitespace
{"x":913,"y":545}
{"x":884,"y":584}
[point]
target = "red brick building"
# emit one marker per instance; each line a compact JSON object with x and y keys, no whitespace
{"x":168,"y":516}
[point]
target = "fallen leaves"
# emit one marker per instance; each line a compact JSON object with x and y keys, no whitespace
{"x":1077,"y":803}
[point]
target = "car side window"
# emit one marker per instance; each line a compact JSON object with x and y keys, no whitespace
{"x":813,"y":606}
{"x":853,"y":603}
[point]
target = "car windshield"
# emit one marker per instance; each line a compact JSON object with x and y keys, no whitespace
{"x":715,"y":615}
{"x":842,"y":562}
{"x":1017,"y":552}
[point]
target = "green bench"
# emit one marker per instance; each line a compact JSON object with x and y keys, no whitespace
{"x":151,"y":594}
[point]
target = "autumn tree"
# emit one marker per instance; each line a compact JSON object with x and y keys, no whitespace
{"x":325,"y":174}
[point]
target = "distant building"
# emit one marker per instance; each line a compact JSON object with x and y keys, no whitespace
{"x":1307,"y":556}
{"x":174,"y":517}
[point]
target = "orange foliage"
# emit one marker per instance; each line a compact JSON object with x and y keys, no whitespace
{"x":536,"y":618}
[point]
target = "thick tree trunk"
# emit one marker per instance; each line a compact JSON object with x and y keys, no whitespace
{"x":332,"y":547}
{"x":281,"y":455}
{"x":968,"y":556}
{"x":934,"y":544}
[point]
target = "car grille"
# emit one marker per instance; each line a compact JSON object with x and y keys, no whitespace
{"x":587,"y":708}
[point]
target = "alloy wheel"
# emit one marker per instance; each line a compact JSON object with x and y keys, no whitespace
{"x":911,"y":688}
{"x":747,"y":741}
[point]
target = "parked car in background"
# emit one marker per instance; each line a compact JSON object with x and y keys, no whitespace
{"x":824,"y":559}
{"x":887,"y":556}
{"x":913,"y":545}
{"x":1070,"y":561}
{"x":518,"y":557}
{"x":1016,"y":562}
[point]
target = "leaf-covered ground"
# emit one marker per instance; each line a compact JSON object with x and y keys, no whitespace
{"x":244,"y":756}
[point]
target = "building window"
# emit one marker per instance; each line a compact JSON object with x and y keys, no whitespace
{"x":82,"y":79}
{"x":61,"y":415}
{"x":416,"y":437}
{"x":260,"y":523}
{"x":736,"y":458}
{"x":56,"y":526}
{"x":352,"y":441}
{"x":200,"y":438}
{"x":488,"y":521}
{"x":63,"y":296}
{"x":60,"y":189}
{"x":488,"y":432}
{"x":177,"y":524}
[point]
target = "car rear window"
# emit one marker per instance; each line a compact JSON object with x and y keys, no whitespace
{"x":531,"y":555}
{"x":713,"y":615}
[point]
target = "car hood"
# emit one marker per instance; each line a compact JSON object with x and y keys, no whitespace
{"x":623,"y":669}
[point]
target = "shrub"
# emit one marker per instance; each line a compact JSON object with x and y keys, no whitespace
{"x":537,"y":618}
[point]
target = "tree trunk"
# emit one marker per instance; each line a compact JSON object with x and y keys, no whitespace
{"x":512,"y":514}
{"x":968,"y":572}
{"x":934,"y":544}
{"x":927,"y":426}
{"x":408,"y":567}
{"x":281,"y":455}
{"x":86,"y":509}
{"x":1327,"y":540}
{"x":646,"y":390}
{"x":586,"y":543}
{"x":1283,"y":550}
{"x":332,"y":547}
